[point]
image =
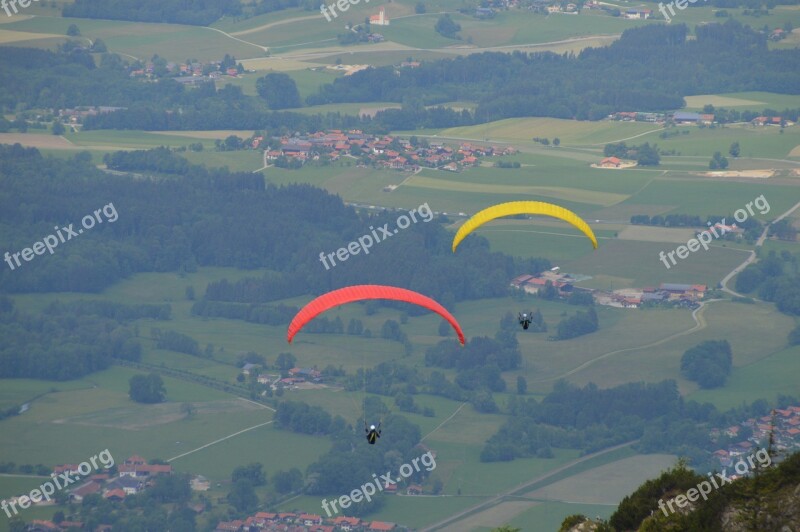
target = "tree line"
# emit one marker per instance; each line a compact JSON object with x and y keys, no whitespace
{"x":590,"y":419}
{"x":75,"y":345}
{"x":591,"y":85}
{"x":775,"y":278}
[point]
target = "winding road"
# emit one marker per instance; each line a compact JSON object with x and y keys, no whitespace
{"x":753,"y":254}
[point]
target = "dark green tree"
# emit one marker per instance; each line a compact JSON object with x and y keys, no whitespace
{"x":285,"y":361}
{"x":522,"y":385}
{"x":243,"y":496}
{"x":251,"y":472}
{"x":147,"y":388}
{"x":279,"y":90}
{"x":287,"y":481}
{"x":447,"y":27}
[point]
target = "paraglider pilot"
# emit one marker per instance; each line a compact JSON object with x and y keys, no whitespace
{"x":373,"y":433}
{"x":525,"y":320}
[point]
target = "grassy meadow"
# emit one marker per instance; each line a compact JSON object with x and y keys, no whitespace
{"x":73,"y":420}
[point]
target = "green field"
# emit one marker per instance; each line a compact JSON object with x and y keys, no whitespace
{"x":143,"y":40}
{"x":570,"y":132}
{"x":754,"y":141}
{"x":74,"y":420}
{"x":746,"y":384}
{"x":741,"y":101}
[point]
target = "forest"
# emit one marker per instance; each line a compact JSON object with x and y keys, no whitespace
{"x":80,"y":338}
{"x":647,"y":69}
{"x":775,"y":278}
{"x":588,"y":86}
{"x":590,"y":418}
{"x":197,"y":217}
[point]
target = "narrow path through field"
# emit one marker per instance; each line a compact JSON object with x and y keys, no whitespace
{"x":498,"y":498}
{"x":271,"y":24}
{"x":699,"y":324}
{"x":627,"y":138}
{"x":443,"y":422}
{"x":264,"y":48}
{"x":217,"y":441}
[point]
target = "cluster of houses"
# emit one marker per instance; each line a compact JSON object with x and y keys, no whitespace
{"x":190,"y":73}
{"x":77,"y":115}
{"x":690,"y":118}
{"x":301,"y":522}
{"x":636,"y":116}
{"x":784,"y":426}
{"x":381,"y":151}
{"x":133,"y":476}
{"x":771,"y":121}
{"x":685,"y":295}
{"x":295,"y":377}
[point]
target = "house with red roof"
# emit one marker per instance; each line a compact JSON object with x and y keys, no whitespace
{"x":381,"y":525}
{"x":611,"y":162}
{"x":41,"y":525}
{"x":115,"y":494}
{"x":347,"y":523}
{"x":83,"y":490}
{"x":63,"y":468}
{"x":229,"y":526}
{"x":311,"y":519}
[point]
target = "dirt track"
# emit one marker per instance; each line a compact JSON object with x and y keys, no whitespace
{"x":38,"y":140}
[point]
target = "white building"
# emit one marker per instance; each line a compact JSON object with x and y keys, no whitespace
{"x":380,"y":19}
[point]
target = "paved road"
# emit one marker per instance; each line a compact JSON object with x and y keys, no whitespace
{"x":752,"y":256}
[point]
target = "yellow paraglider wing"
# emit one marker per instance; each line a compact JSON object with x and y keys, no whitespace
{"x":522,"y":207}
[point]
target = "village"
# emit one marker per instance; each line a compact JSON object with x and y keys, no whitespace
{"x":783,"y":426}
{"x":136,"y":475}
{"x":387,"y":151}
{"x":680,"y":295}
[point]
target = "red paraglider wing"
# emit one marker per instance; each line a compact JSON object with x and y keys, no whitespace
{"x":350,"y":294}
